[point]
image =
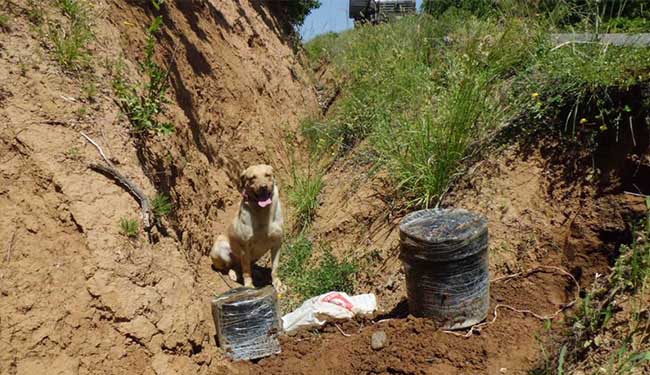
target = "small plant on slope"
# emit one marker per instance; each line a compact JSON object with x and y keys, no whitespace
{"x":4,"y":22}
{"x":143,"y":103}
{"x":161,"y":205}
{"x":129,"y":227}
{"x":70,"y":40}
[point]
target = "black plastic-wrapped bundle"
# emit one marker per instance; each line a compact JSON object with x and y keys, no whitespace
{"x":445,"y":257}
{"x":247,"y":322}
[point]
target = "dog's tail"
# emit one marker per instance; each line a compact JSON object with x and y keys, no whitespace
{"x":221,"y":253}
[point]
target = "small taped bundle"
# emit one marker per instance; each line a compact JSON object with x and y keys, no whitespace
{"x":445,"y":257}
{"x":247,"y":322}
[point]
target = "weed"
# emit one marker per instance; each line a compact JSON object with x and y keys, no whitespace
{"x":82,"y":112}
{"x":143,"y":102}
{"x":306,"y":277}
{"x":73,"y":9}
{"x":23,"y":68}
{"x":70,"y":39}
{"x":5,"y":22}
{"x":35,"y":12}
{"x":560,"y":366}
{"x":162,"y":206}
{"x":89,"y":90}
{"x":73,"y":153}
{"x":129,"y":227}
{"x":303,"y":196}
{"x":329,"y":274}
{"x":623,"y":361}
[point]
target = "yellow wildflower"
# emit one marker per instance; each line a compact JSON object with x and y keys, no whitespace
{"x":535,"y":95}
{"x":583,"y":120}
{"x":603,"y":127}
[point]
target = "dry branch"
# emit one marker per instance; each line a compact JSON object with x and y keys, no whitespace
{"x":111,"y":171}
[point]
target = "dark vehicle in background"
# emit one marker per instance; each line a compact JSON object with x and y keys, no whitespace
{"x":376,"y":11}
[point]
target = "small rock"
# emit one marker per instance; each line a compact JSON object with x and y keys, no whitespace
{"x":379,"y":340}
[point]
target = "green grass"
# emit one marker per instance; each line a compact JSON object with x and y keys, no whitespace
{"x":624,"y":361}
{"x":70,"y":39}
{"x":426,"y":92}
{"x":419,"y":101}
{"x":307,"y":277}
{"x":303,"y":194}
{"x":35,"y":12}
{"x":129,"y":227}
{"x":162,"y":206}
{"x":143,"y":102}
{"x":5,"y":22}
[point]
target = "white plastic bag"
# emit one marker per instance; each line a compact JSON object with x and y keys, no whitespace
{"x":333,"y":305}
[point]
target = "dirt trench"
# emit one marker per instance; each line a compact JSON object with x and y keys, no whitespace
{"x":78,"y":297}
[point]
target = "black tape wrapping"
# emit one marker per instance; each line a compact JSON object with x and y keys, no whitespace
{"x":446,"y":262}
{"x":247,"y":322}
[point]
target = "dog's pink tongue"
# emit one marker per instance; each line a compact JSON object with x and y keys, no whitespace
{"x":264,"y":203}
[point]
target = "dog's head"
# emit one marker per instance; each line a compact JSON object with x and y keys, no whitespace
{"x":257,"y":184}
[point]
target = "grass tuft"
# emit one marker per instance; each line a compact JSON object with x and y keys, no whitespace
{"x":5,"y":22}
{"x":304,"y":191}
{"x":70,"y":40}
{"x":162,"y":206}
{"x":307,"y":277}
{"x":35,"y":12}
{"x":129,"y":227}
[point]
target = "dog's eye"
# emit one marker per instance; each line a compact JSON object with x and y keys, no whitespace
{"x":267,"y":175}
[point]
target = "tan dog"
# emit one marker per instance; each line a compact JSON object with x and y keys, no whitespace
{"x":256,"y":229}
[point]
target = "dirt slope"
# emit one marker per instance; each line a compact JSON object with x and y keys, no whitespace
{"x":76,"y":296}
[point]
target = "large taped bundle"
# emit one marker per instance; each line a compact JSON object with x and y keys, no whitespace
{"x":247,"y":322}
{"x":446,"y":262}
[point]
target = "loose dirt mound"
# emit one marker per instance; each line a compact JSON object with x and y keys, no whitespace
{"x":76,"y":296}
{"x":417,"y":346}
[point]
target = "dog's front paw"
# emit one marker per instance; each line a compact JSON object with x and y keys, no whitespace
{"x":233,"y":275}
{"x":248,"y":282}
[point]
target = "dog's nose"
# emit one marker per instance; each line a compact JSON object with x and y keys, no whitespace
{"x":264,"y":190}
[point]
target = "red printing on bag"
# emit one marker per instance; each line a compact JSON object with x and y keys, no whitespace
{"x":338,"y":299}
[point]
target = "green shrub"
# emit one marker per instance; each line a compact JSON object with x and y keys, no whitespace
{"x":478,"y":7}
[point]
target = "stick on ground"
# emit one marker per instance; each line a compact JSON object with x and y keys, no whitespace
{"x":133,"y":189}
